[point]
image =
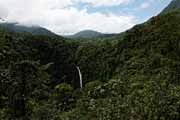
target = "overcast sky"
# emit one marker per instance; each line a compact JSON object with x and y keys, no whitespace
{"x":71,"y":16}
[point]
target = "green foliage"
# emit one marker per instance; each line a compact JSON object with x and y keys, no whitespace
{"x":131,"y":77}
{"x":34,"y":30}
{"x":147,"y":64}
{"x":152,"y":100}
{"x":63,"y":97}
{"x":174,"y":5}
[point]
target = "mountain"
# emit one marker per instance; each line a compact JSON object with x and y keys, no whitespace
{"x":88,"y":34}
{"x":35,"y":30}
{"x":1,"y":20}
{"x":141,"y":71}
{"x":174,"y":5}
{"x":135,"y":77}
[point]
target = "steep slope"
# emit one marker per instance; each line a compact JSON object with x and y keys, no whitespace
{"x":146,"y":80}
{"x":35,"y":30}
{"x":174,"y":5}
{"x":137,"y":77}
{"x":152,"y":46}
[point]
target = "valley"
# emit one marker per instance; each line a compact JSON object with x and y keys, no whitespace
{"x":134,"y":75}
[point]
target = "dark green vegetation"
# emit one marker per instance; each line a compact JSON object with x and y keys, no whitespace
{"x":34,"y":30}
{"x":89,"y":35}
{"x":174,"y":5}
{"x":131,"y":77}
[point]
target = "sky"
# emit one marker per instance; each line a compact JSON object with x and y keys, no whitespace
{"x":71,"y":16}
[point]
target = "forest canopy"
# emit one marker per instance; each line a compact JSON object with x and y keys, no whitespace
{"x":131,"y":77}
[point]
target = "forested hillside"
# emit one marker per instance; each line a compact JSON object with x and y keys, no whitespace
{"x":174,"y":5}
{"x":18,"y":28}
{"x":85,"y":34}
{"x":131,"y":77}
{"x":89,"y":35}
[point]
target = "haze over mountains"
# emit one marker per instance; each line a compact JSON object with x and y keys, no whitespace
{"x":35,"y":30}
{"x":1,"y":20}
{"x":175,"y":4}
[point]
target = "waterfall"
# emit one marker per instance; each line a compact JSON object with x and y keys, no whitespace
{"x":80,"y":77}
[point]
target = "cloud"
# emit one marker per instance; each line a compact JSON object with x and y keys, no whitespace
{"x":145,"y":5}
{"x":3,"y":11}
{"x":73,"y":20}
{"x":61,"y":16}
{"x":97,"y":3}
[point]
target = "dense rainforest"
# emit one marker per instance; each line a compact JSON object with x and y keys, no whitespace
{"x":134,"y":76}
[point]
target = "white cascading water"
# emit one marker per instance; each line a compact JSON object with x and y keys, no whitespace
{"x":80,"y":77}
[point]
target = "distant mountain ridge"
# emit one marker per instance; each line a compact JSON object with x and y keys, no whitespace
{"x":34,"y":30}
{"x":1,"y":19}
{"x":88,"y":34}
{"x":174,"y":5}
